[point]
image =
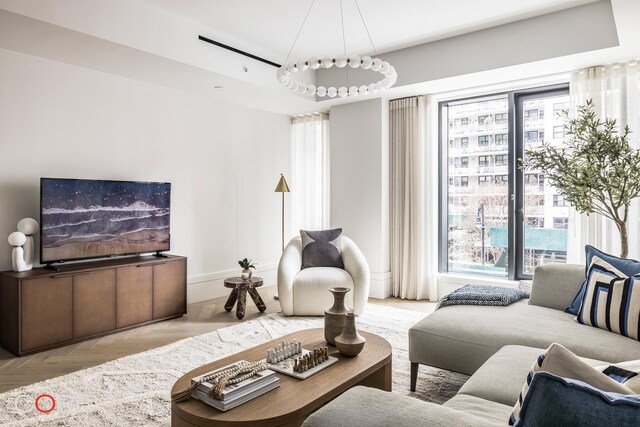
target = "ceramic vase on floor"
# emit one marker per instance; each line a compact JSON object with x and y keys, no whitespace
{"x":349,"y":342}
{"x":335,"y":317}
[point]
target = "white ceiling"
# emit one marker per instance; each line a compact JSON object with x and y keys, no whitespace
{"x":269,"y":27}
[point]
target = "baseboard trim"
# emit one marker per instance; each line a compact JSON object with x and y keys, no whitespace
{"x":204,"y":287}
{"x":208,"y":286}
{"x":380,"y":287}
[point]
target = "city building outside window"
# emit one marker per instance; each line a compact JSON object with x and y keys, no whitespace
{"x":502,"y":159}
{"x":561,"y":223}
{"x":532,"y":136}
{"x":534,"y":114}
{"x":484,"y":161}
{"x":559,"y":107}
{"x":558,"y":132}
{"x":461,"y":122}
{"x":534,"y":221}
{"x":558,"y":201}
{"x":483,"y":201}
{"x":461,"y":162}
{"x":501,"y":118}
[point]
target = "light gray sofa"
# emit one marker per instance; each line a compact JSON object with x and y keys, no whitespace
{"x":486,"y":399}
{"x":496,"y":345}
{"x":461,"y":338}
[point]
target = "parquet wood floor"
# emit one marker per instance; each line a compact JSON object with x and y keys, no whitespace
{"x":201,"y":317}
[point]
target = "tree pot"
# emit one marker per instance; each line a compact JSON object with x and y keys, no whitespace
{"x":335,"y":317}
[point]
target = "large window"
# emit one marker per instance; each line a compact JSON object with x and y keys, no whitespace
{"x":507,"y":223}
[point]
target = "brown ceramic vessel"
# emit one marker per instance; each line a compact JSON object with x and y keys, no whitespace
{"x":350,"y":343}
{"x":334,"y":317}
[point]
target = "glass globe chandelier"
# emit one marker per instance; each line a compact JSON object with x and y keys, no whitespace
{"x":286,"y":72}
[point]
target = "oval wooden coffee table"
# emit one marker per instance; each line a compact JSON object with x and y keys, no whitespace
{"x":292,"y":402}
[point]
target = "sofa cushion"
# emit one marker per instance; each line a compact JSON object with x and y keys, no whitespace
{"x":485,"y":409}
{"x":556,"y":285}
{"x":611,"y":302}
{"x":620,"y":266}
{"x":322,"y":248}
{"x":510,"y":365}
{"x":370,"y":407}
{"x":556,"y":401}
{"x":462,"y":338}
{"x":311,"y":289}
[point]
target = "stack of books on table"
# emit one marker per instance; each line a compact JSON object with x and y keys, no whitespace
{"x":236,"y":394}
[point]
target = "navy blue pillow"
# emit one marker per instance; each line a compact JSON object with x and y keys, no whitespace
{"x":556,"y":401}
{"x":629,"y":267}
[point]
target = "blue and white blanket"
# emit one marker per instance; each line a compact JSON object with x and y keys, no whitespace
{"x":482,"y":295}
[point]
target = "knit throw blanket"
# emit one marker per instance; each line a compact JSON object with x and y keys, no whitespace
{"x":482,"y":295}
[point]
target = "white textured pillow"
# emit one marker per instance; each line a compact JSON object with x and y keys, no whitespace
{"x":627,"y":373}
{"x":559,"y":361}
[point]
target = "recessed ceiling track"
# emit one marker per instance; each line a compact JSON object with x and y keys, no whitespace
{"x":241,"y":52}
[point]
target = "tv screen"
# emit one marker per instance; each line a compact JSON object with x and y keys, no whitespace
{"x":88,"y":218}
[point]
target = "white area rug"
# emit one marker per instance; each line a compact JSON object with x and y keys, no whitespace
{"x":134,"y":390}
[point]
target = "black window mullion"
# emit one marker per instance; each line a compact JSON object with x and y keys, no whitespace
{"x":512,"y":254}
{"x":443,"y":192}
{"x":516,"y":263}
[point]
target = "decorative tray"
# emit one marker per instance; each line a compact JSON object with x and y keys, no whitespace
{"x":286,"y":366}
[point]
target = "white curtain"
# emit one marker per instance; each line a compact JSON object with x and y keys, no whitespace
{"x":309,"y":182}
{"x":615,"y":90}
{"x":406,"y":192}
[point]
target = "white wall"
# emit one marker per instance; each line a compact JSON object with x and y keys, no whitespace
{"x":223,"y":160}
{"x":360,"y":183}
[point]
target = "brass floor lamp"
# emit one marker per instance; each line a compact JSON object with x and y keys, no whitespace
{"x":282,"y":187}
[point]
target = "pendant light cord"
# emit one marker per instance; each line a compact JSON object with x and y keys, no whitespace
{"x":300,"y":30}
{"x":365,"y":27}
{"x":344,"y":42}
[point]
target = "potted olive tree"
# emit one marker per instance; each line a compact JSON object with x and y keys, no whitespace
{"x":596,"y":170}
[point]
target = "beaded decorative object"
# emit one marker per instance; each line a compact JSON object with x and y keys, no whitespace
{"x":222,"y":379}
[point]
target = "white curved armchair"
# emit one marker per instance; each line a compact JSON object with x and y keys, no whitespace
{"x":306,"y":292}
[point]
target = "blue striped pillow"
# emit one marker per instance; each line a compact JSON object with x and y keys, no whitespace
{"x":611,"y":302}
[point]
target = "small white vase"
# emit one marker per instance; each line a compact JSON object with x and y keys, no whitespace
{"x":246,"y":273}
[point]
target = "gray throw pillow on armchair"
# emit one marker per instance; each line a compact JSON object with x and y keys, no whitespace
{"x":322,"y":248}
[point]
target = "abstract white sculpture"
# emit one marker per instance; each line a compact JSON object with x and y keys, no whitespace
{"x":29,"y":227}
{"x":17,"y":239}
{"x":22,"y":255}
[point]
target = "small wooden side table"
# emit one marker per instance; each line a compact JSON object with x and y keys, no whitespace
{"x":239,"y":289}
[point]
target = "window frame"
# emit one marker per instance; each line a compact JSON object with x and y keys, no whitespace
{"x":516,"y":185}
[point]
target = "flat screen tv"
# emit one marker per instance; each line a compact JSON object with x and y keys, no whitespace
{"x":82,"y":218}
